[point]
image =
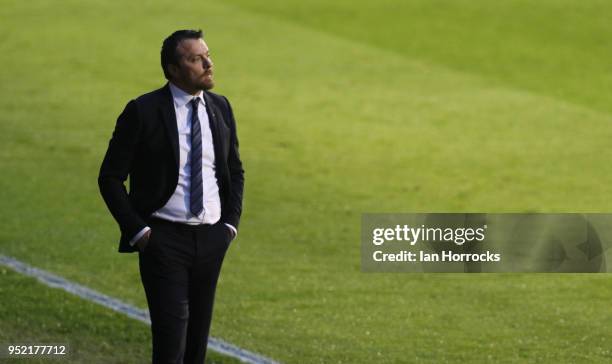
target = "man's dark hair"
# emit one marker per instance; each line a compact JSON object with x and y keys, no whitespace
{"x":168,"y":51}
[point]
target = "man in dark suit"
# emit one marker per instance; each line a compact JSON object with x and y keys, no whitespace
{"x":178,"y":145}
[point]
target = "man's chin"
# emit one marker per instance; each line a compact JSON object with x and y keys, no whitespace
{"x":208,"y":85}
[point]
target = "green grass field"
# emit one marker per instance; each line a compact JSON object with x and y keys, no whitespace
{"x":343,"y":108}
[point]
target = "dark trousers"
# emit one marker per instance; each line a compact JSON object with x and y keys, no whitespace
{"x":179,"y":269}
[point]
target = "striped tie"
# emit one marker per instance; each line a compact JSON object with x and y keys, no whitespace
{"x":197,"y":192}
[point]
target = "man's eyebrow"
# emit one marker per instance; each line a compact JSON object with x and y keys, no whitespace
{"x":199,"y":54}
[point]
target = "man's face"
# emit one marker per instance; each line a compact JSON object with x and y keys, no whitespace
{"x":195,"y":67}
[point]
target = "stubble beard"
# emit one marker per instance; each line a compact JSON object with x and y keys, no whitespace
{"x":208,"y":84}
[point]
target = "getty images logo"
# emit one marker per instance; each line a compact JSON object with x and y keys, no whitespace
{"x":413,"y":235}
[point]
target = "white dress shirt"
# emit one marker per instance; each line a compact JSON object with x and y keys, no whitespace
{"x":177,"y":207}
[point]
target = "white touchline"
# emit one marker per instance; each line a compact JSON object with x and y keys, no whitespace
{"x":114,"y":304}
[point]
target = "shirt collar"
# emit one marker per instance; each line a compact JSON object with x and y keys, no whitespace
{"x":181,"y":98}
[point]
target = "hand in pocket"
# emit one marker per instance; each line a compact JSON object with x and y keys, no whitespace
{"x":143,"y":241}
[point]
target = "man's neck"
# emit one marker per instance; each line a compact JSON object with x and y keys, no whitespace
{"x":186,"y":89}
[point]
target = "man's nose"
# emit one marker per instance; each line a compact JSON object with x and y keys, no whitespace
{"x":207,"y":63}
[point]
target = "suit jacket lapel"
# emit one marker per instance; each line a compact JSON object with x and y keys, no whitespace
{"x":169,"y":116}
{"x":214,"y":126}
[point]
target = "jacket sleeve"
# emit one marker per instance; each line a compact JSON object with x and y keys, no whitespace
{"x":116,"y":166}
{"x":236,"y":173}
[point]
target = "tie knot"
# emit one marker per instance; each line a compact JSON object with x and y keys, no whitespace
{"x":194,"y":103}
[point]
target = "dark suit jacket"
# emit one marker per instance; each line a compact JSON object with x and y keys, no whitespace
{"x":144,"y":146}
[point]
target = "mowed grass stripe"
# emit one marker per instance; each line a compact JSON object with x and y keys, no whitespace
{"x":329,"y":129}
{"x":557,"y":48}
